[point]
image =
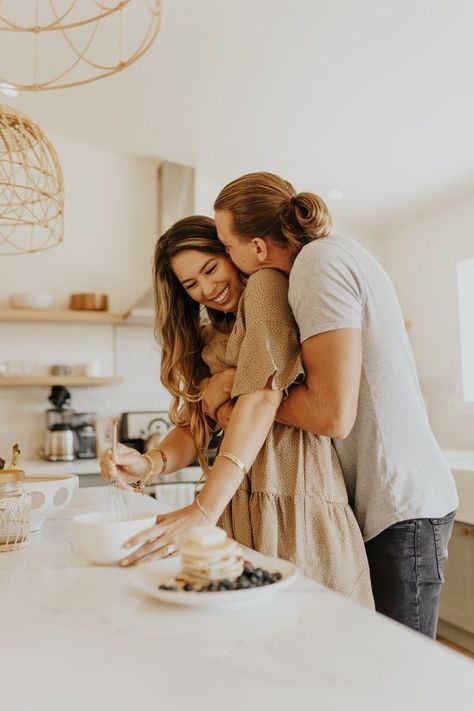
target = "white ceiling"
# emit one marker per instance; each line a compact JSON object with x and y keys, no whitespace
{"x":371,"y":97}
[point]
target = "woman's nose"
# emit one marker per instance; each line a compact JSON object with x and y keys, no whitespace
{"x":208,"y":289}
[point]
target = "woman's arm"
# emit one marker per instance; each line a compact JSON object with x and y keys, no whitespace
{"x":248,"y":427}
{"x":250,"y":422}
{"x":129,"y":466}
{"x":326,"y":403}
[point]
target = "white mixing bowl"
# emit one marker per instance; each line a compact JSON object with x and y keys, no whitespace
{"x":49,"y":493}
{"x":101,"y":540}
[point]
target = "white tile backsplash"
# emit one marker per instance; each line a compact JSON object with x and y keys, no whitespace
{"x":130,"y":350}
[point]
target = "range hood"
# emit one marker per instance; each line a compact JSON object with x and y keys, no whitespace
{"x":175,"y":200}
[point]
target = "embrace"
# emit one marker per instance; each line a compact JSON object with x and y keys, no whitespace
{"x":291,"y":338}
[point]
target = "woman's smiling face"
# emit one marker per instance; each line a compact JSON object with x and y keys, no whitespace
{"x":209,"y":279}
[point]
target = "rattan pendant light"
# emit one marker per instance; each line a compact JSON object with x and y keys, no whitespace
{"x":31,"y":187}
{"x":54,"y":44}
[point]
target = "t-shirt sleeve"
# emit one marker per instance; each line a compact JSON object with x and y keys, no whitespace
{"x":325,"y":293}
{"x":270,"y":346}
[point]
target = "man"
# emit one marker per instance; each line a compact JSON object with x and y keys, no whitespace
{"x":361,"y":386}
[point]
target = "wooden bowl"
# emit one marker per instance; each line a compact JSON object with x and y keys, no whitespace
{"x":88,"y":302}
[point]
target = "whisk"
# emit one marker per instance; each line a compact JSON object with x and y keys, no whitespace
{"x":115,"y":504}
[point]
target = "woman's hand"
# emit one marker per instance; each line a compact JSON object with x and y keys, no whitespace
{"x":171,"y":531}
{"x":128,"y":466}
{"x":218,"y":391}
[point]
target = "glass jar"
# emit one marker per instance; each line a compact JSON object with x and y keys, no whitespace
{"x":15,"y":507}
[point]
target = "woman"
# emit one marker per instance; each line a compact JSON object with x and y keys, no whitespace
{"x":361,"y":386}
{"x":276,"y":489}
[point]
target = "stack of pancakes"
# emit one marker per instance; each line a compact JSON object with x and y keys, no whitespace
{"x":210,"y":556}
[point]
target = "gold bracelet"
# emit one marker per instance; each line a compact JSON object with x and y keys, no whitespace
{"x":238,"y":462}
{"x":139,"y":486}
{"x":164,"y":460}
{"x":202,"y":509}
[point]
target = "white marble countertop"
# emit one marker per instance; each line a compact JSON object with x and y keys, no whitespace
{"x":80,"y":637}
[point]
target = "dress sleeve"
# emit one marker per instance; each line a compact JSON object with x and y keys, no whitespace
{"x":270,"y":346}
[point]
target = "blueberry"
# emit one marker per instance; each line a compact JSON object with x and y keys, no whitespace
{"x":213,"y":587}
{"x":277,"y":576}
{"x":187,"y":587}
{"x":259,"y":573}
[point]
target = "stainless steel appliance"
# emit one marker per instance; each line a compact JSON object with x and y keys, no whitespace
{"x":84,"y":428}
{"x":143,"y":430}
{"x":59,"y":443}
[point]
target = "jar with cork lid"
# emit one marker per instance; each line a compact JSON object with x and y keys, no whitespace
{"x":15,"y":506}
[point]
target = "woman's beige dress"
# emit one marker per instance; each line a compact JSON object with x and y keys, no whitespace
{"x":293,"y":502}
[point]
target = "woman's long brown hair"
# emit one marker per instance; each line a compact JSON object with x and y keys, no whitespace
{"x":179,"y":329}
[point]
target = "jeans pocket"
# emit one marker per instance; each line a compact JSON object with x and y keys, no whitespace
{"x":442,"y":528}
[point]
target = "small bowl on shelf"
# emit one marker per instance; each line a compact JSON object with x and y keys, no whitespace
{"x":31,"y":301}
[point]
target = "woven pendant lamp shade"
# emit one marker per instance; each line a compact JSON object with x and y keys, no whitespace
{"x":53,"y":44}
{"x":31,"y":187}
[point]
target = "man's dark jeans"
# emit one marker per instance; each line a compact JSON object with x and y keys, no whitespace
{"x":406,"y":568}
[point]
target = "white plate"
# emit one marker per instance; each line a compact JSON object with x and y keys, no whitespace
{"x":148,"y":578}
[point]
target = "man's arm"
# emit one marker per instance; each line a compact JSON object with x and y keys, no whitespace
{"x":326,"y":403}
{"x":218,"y":390}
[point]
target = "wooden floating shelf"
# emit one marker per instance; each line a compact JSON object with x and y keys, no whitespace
{"x":60,"y":316}
{"x":49,"y":380}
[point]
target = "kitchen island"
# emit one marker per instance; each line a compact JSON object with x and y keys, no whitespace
{"x":80,"y":637}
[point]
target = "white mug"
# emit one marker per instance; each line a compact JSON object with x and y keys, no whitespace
{"x":92,"y":369}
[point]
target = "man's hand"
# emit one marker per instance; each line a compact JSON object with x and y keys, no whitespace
{"x":224,"y":412}
{"x":218,"y":391}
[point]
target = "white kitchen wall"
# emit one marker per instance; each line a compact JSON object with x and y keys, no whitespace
{"x":137,"y":361}
{"x":110,"y":224}
{"x":207,"y":189}
{"x":111,"y":219}
{"x":421,"y":258}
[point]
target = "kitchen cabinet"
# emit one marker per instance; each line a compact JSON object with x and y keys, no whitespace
{"x":457,"y":598}
{"x":48,"y":316}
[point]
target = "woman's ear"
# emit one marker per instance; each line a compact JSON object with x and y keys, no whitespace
{"x":261,"y":249}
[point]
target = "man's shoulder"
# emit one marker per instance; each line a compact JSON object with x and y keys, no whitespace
{"x":334,"y":245}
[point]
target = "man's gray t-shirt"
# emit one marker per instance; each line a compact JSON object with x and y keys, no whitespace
{"x":393,"y":467}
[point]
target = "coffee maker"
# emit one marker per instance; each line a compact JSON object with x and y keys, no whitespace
{"x":59,"y":435}
{"x":84,"y":427}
